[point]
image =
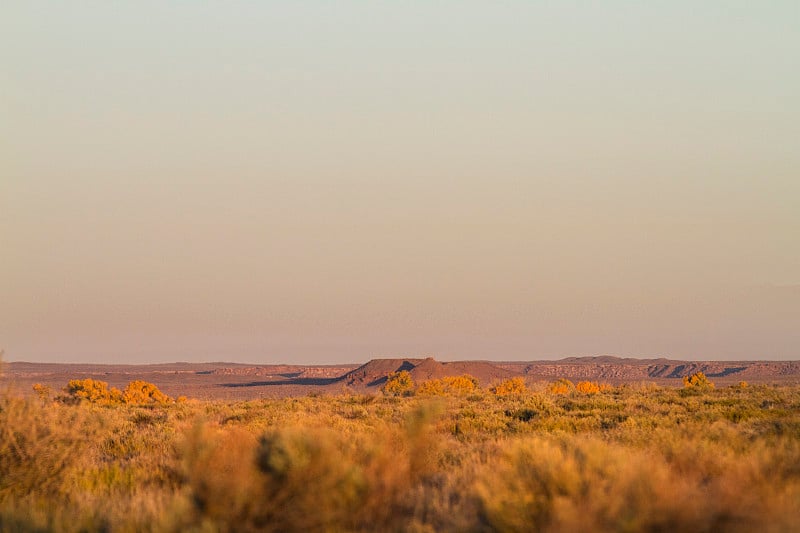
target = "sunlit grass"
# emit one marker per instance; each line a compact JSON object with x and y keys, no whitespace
{"x":508,"y":458}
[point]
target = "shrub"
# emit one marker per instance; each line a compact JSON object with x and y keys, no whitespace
{"x":38,"y":443}
{"x":698,"y":380}
{"x":431,"y":387}
{"x":463,"y":384}
{"x":587,"y":387}
{"x":399,"y":384}
{"x":448,"y":385}
{"x":585,"y":485}
{"x":42,"y":391}
{"x":592,"y":387}
{"x":91,"y":390}
{"x":305,"y":478}
{"x":510,"y":387}
{"x":292,"y":460}
{"x":562,"y":386}
{"x":142,"y":392}
{"x":95,"y":391}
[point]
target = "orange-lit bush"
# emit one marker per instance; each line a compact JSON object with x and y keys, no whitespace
{"x":510,"y":387}
{"x":448,"y":385}
{"x":92,"y":390}
{"x":42,"y":391}
{"x":399,"y":384}
{"x":431,"y":387}
{"x":95,"y":391}
{"x":592,"y":387}
{"x":142,"y":392}
{"x":463,"y":384}
{"x":562,"y":386}
{"x":698,"y":380}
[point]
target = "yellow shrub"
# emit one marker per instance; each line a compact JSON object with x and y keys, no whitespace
{"x":587,"y":387}
{"x":432,"y":387}
{"x":448,"y":385}
{"x":562,"y":386}
{"x":96,"y":391}
{"x":510,"y":387}
{"x":697,"y":380}
{"x":399,"y":384}
{"x":142,"y":392}
{"x":592,"y":387}
{"x":92,"y":390}
{"x":463,"y":384}
{"x":42,"y":391}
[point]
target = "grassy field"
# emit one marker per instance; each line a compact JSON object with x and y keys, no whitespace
{"x":446,"y":456}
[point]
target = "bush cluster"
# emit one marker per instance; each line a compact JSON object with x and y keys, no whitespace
{"x":448,"y":385}
{"x":95,"y":391}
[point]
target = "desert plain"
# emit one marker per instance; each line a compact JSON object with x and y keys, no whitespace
{"x":236,"y":381}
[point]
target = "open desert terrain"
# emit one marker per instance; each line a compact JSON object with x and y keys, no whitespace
{"x":590,"y":444}
{"x":231,"y":381}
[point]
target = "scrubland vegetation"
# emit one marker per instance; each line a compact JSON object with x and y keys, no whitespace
{"x":440,"y":456}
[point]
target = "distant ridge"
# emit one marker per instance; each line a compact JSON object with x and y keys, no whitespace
{"x":246,"y":381}
{"x":605,"y":367}
{"x":374,"y":372}
{"x":630,"y":369}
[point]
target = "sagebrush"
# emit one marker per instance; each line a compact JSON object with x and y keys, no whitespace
{"x":557,"y":457}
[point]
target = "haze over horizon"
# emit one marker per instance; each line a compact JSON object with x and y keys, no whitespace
{"x":332,"y":182}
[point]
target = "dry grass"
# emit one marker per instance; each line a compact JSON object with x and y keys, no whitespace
{"x":543,"y":459}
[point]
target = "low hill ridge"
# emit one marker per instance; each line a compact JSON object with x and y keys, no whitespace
{"x":375,"y":372}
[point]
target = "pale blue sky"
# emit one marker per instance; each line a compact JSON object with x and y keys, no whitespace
{"x":334,"y":181}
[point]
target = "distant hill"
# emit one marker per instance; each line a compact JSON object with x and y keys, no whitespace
{"x":630,"y":369}
{"x":374,"y":373}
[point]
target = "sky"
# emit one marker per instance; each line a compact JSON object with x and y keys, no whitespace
{"x":329,"y":182}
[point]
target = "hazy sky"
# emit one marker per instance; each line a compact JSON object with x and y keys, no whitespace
{"x":335,"y":181}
